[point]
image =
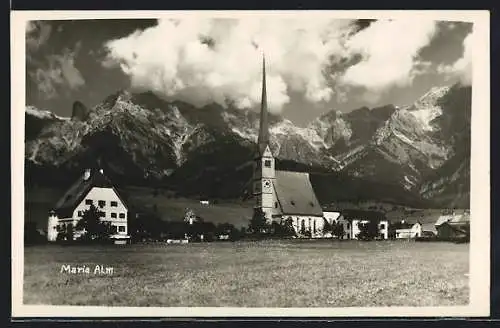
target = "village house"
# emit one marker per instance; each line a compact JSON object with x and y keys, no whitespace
{"x":409,"y":230}
{"x":355,"y":218}
{"x":92,"y":188}
{"x":454,"y":225}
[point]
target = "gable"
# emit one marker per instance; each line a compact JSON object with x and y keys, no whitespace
{"x":65,"y":206}
{"x":295,"y":194}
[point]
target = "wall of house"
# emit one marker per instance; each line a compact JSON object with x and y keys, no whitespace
{"x":52,"y":223}
{"x":331,"y":217}
{"x":314,"y":224}
{"x":383,"y":228}
{"x":116,"y":215}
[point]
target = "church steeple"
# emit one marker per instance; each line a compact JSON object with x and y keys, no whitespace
{"x":263,"y":139}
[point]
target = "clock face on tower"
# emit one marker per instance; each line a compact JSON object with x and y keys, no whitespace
{"x":267,"y":184}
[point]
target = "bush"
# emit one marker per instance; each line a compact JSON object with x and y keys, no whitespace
{"x":368,"y":231}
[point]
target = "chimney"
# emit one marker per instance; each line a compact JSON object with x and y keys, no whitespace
{"x":86,"y":175}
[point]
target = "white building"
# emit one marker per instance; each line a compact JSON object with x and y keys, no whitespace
{"x":93,"y":187}
{"x":354,"y":218}
{"x":414,"y":231}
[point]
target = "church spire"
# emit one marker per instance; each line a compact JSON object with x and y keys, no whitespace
{"x":263,"y":139}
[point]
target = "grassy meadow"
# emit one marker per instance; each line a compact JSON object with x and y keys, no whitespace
{"x":286,"y":273}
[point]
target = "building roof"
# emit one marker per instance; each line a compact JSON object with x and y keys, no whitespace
{"x":295,"y":194}
{"x":462,"y":218}
{"x":429,"y":227}
{"x":442,"y":219}
{"x":263,"y":138}
{"x":77,"y":192}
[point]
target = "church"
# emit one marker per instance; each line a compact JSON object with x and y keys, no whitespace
{"x":283,"y":195}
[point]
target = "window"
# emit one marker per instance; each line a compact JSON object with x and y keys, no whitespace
{"x":102,"y":214}
{"x":382,"y":226}
{"x":114,"y":204}
{"x":314,"y":226}
{"x":113,"y":215}
{"x":275,"y":204}
{"x":121,"y":228}
{"x":267,"y":163}
{"x":88,"y":201}
{"x":80,"y":213}
{"x":101,"y":203}
{"x":122,"y":215}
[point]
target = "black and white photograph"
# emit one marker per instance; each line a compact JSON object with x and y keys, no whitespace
{"x":251,"y":163}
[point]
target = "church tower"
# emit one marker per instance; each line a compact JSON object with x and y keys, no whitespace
{"x":264,"y":170}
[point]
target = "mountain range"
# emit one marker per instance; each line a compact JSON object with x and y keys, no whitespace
{"x":417,"y":154}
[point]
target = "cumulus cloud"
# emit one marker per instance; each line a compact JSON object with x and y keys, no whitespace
{"x":462,"y":68}
{"x":220,"y":60}
{"x":390,"y":54}
{"x":58,"y":70}
{"x":37,"y":34}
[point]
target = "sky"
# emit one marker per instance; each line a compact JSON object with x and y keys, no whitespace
{"x":313,"y":65}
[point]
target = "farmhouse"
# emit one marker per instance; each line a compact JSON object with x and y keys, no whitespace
{"x":283,"y":195}
{"x":355,"y":218}
{"x":92,"y":188}
{"x":409,"y":230}
{"x":455,"y":225}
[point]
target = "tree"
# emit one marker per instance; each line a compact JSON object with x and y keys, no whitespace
{"x":338,"y":230}
{"x":368,"y":230}
{"x":258,"y":223}
{"x":327,"y":227}
{"x":95,"y":228}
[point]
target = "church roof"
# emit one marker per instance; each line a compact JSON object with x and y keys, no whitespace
{"x":77,"y":192}
{"x":295,"y":194}
{"x":263,"y":138}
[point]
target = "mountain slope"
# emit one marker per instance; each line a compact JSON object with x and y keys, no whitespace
{"x":413,"y":151}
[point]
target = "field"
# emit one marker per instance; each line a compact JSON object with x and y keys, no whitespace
{"x":298,"y":273}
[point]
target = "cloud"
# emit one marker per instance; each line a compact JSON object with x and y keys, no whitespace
{"x":390,"y":55}
{"x":37,"y":34}
{"x":219,"y":60}
{"x":462,"y":68}
{"x":56,"y":71}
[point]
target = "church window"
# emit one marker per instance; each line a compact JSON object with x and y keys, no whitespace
{"x":267,"y":163}
{"x":275,"y":204}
